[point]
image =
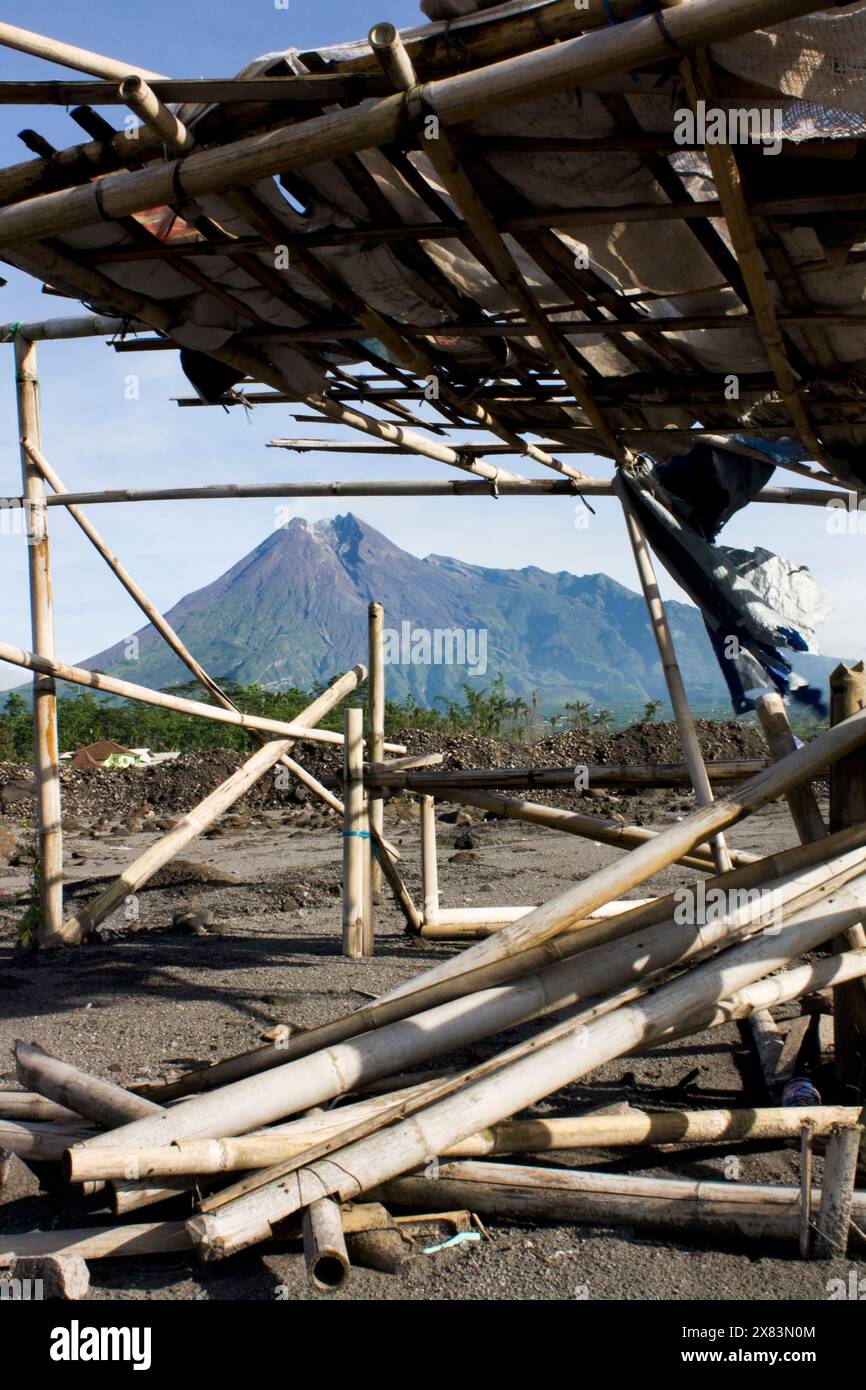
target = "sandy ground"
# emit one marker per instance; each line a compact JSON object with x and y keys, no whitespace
{"x":149,"y":1004}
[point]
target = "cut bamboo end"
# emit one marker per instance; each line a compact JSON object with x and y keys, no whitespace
{"x":325,"y":1251}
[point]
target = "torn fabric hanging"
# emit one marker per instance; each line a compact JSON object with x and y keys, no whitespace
{"x":753,"y":602}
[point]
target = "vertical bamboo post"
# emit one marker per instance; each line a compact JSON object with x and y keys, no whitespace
{"x":376,"y":724}
{"x":673,"y":676}
{"x":837,"y":1191}
{"x":806,"y":1166}
{"x":45,"y":745}
{"x":429,"y":865}
{"x":357,"y":907}
{"x":804,"y":809}
{"x":848,"y":807}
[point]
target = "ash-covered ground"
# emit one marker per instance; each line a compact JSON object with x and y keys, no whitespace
{"x":243,"y":932}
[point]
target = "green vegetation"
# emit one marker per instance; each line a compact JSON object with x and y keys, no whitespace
{"x":87,"y":718}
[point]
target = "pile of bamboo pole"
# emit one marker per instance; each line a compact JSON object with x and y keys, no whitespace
{"x":249,"y":1136}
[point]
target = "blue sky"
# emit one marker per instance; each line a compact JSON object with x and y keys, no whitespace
{"x":95,"y":437}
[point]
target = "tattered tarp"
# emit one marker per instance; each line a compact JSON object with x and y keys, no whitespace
{"x":753,"y":602}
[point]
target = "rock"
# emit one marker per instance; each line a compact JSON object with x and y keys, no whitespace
{"x":464,"y":841}
{"x":62,"y":1276}
{"x":134,"y":826}
{"x":463,"y":856}
{"x":191,"y":923}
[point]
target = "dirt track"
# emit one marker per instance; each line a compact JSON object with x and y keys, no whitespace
{"x":154,"y":1001}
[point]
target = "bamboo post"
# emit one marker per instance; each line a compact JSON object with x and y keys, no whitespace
{"x":837,"y":1191}
{"x":357,"y":910}
{"x":804,"y":809}
{"x":673,"y":676}
{"x":807,"y":1133}
{"x":848,"y":807}
{"x":429,"y":865}
{"x":376,"y":725}
{"x":325,"y":1246}
{"x":45,"y":745}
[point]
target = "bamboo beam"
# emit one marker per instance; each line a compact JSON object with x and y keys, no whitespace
{"x":484,"y":238}
{"x":597,"y":775}
{"x":143,"y":101}
{"x":46,"y":754}
{"x":61,"y":329}
{"x":111,"y":685}
{"x":605,"y":832}
{"x":409,"y":487}
{"x":698,"y":80}
{"x":67,"y":54}
{"x":454,"y":100}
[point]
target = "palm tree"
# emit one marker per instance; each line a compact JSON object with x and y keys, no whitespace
{"x":651,"y":709}
{"x":601,"y":719}
{"x":579,"y":711}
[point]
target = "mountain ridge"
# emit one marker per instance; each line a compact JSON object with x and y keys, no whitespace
{"x":294,"y":612}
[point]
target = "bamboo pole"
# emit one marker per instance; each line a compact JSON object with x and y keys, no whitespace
{"x":89,"y":1096}
{"x":357,"y":910}
{"x":400,"y":1004}
{"x":325,"y":1246}
{"x":322,"y":1075}
{"x":429,"y":865}
{"x":837,"y":1193}
{"x":464,"y":97}
{"x":46,"y":758}
{"x":28,"y":1105}
{"x":675,"y":1204}
{"x":847,"y":807}
{"x":68,"y":55}
{"x":63,"y":329}
{"x":141,"y":99}
{"x":44,"y":1142}
{"x":673,"y":676}
{"x":644,"y":861}
{"x":112,"y":685}
{"x":606,"y":832}
{"x":802,"y":804}
{"x":98,"y":1242}
{"x":408,"y":487}
{"x":376,"y":724}
{"x":806,"y":1171}
{"x":359,"y":1167}
{"x":441,"y":784}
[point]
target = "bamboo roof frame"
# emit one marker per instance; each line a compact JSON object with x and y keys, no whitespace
{"x":340,"y":110}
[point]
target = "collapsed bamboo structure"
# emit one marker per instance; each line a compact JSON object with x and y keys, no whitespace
{"x":434,"y":153}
